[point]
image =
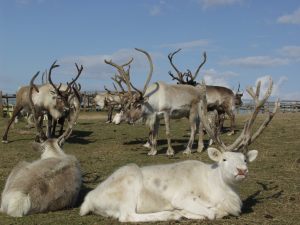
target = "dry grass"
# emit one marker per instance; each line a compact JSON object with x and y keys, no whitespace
{"x":271,"y":193}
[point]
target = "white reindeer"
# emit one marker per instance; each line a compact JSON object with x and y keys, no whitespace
{"x":160,"y":100}
{"x":189,"y":189}
{"x":48,"y":184}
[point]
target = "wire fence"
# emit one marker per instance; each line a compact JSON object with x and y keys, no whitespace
{"x":8,"y":101}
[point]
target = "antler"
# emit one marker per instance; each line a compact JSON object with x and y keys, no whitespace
{"x":124,"y":74}
{"x":189,"y":78}
{"x":245,"y":138}
{"x":33,"y":109}
{"x":197,"y":71}
{"x":151,"y":69}
{"x":50,"y":78}
{"x":179,"y":74}
{"x":119,"y":80}
{"x":79,"y":70}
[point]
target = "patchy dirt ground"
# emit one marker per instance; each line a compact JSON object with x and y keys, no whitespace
{"x":271,"y":193}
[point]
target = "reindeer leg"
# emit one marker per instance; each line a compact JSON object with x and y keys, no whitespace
{"x":149,"y":141}
{"x":16,"y":111}
{"x":193,"y":124}
{"x":41,"y":136}
{"x":109,"y":114}
{"x":200,"y":140}
{"x":170,"y":150}
{"x":154,"y":127}
{"x":231,"y":115}
{"x":50,"y":128}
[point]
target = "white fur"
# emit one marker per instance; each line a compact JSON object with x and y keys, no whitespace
{"x":190,"y":189}
{"x":50,"y":183}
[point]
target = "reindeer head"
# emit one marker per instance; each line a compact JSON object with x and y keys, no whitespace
{"x":233,"y":165}
{"x":60,"y":95}
{"x":232,"y":159}
{"x":131,"y":101}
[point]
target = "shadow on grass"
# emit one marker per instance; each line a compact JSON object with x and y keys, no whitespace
{"x":79,"y":137}
{"x":83,"y":192}
{"x":254,"y":199}
{"x":87,"y":178}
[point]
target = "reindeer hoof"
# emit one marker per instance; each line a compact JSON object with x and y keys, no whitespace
{"x":230,"y":133}
{"x":147,"y":145}
{"x":187,"y":151}
{"x":170,"y":152}
{"x":4,"y":141}
{"x":108,"y":121}
{"x":152,"y":152}
{"x":200,"y":149}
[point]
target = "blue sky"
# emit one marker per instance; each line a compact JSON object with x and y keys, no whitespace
{"x":245,"y":40}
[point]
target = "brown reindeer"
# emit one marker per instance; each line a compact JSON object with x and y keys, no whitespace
{"x":47,"y":98}
{"x":223,"y":99}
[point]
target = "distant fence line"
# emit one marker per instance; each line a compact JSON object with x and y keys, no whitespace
{"x":8,"y":101}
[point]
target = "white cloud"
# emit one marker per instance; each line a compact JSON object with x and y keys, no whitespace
{"x":293,"y":18}
{"x":186,"y":45}
{"x":157,"y":9}
{"x":277,"y":86}
{"x":256,"y":61}
{"x":213,"y":77}
{"x":290,"y":51}
{"x":215,"y":3}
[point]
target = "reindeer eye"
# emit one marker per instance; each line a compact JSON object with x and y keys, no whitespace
{"x":224,"y":160}
{"x":245,"y":160}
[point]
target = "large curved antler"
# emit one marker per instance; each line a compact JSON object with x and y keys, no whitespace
{"x":199,"y":67}
{"x":124,"y":74}
{"x":54,"y":65}
{"x":151,"y":69}
{"x":246,"y":137}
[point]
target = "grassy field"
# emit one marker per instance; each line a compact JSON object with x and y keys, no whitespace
{"x":271,"y":193}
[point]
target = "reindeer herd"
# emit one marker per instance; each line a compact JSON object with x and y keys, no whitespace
{"x":187,"y":189}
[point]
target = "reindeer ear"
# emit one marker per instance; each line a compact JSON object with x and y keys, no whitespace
{"x":251,"y":155}
{"x":214,"y":154}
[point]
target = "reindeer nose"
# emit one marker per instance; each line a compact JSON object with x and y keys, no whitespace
{"x":242,"y":171}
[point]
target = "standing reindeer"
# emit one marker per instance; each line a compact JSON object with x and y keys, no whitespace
{"x":219,"y":98}
{"x":49,"y":98}
{"x":161,"y":100}
{"x":189,"y":189}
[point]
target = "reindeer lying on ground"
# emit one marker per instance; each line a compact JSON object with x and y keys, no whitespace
{"x":49,"y":98}
{"x":161,"y":100}
{"x":188,"y":189}
{"x":219,"y":98}
{"x":48,"y":184}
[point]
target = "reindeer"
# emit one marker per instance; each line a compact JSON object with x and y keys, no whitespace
{"x":189,"y":189}
{"x":161,"y":100}
{"x":48,"y":98}
{"x":220,"y":98}
{"x":48,"y":184}
{"x":74,"y":100}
